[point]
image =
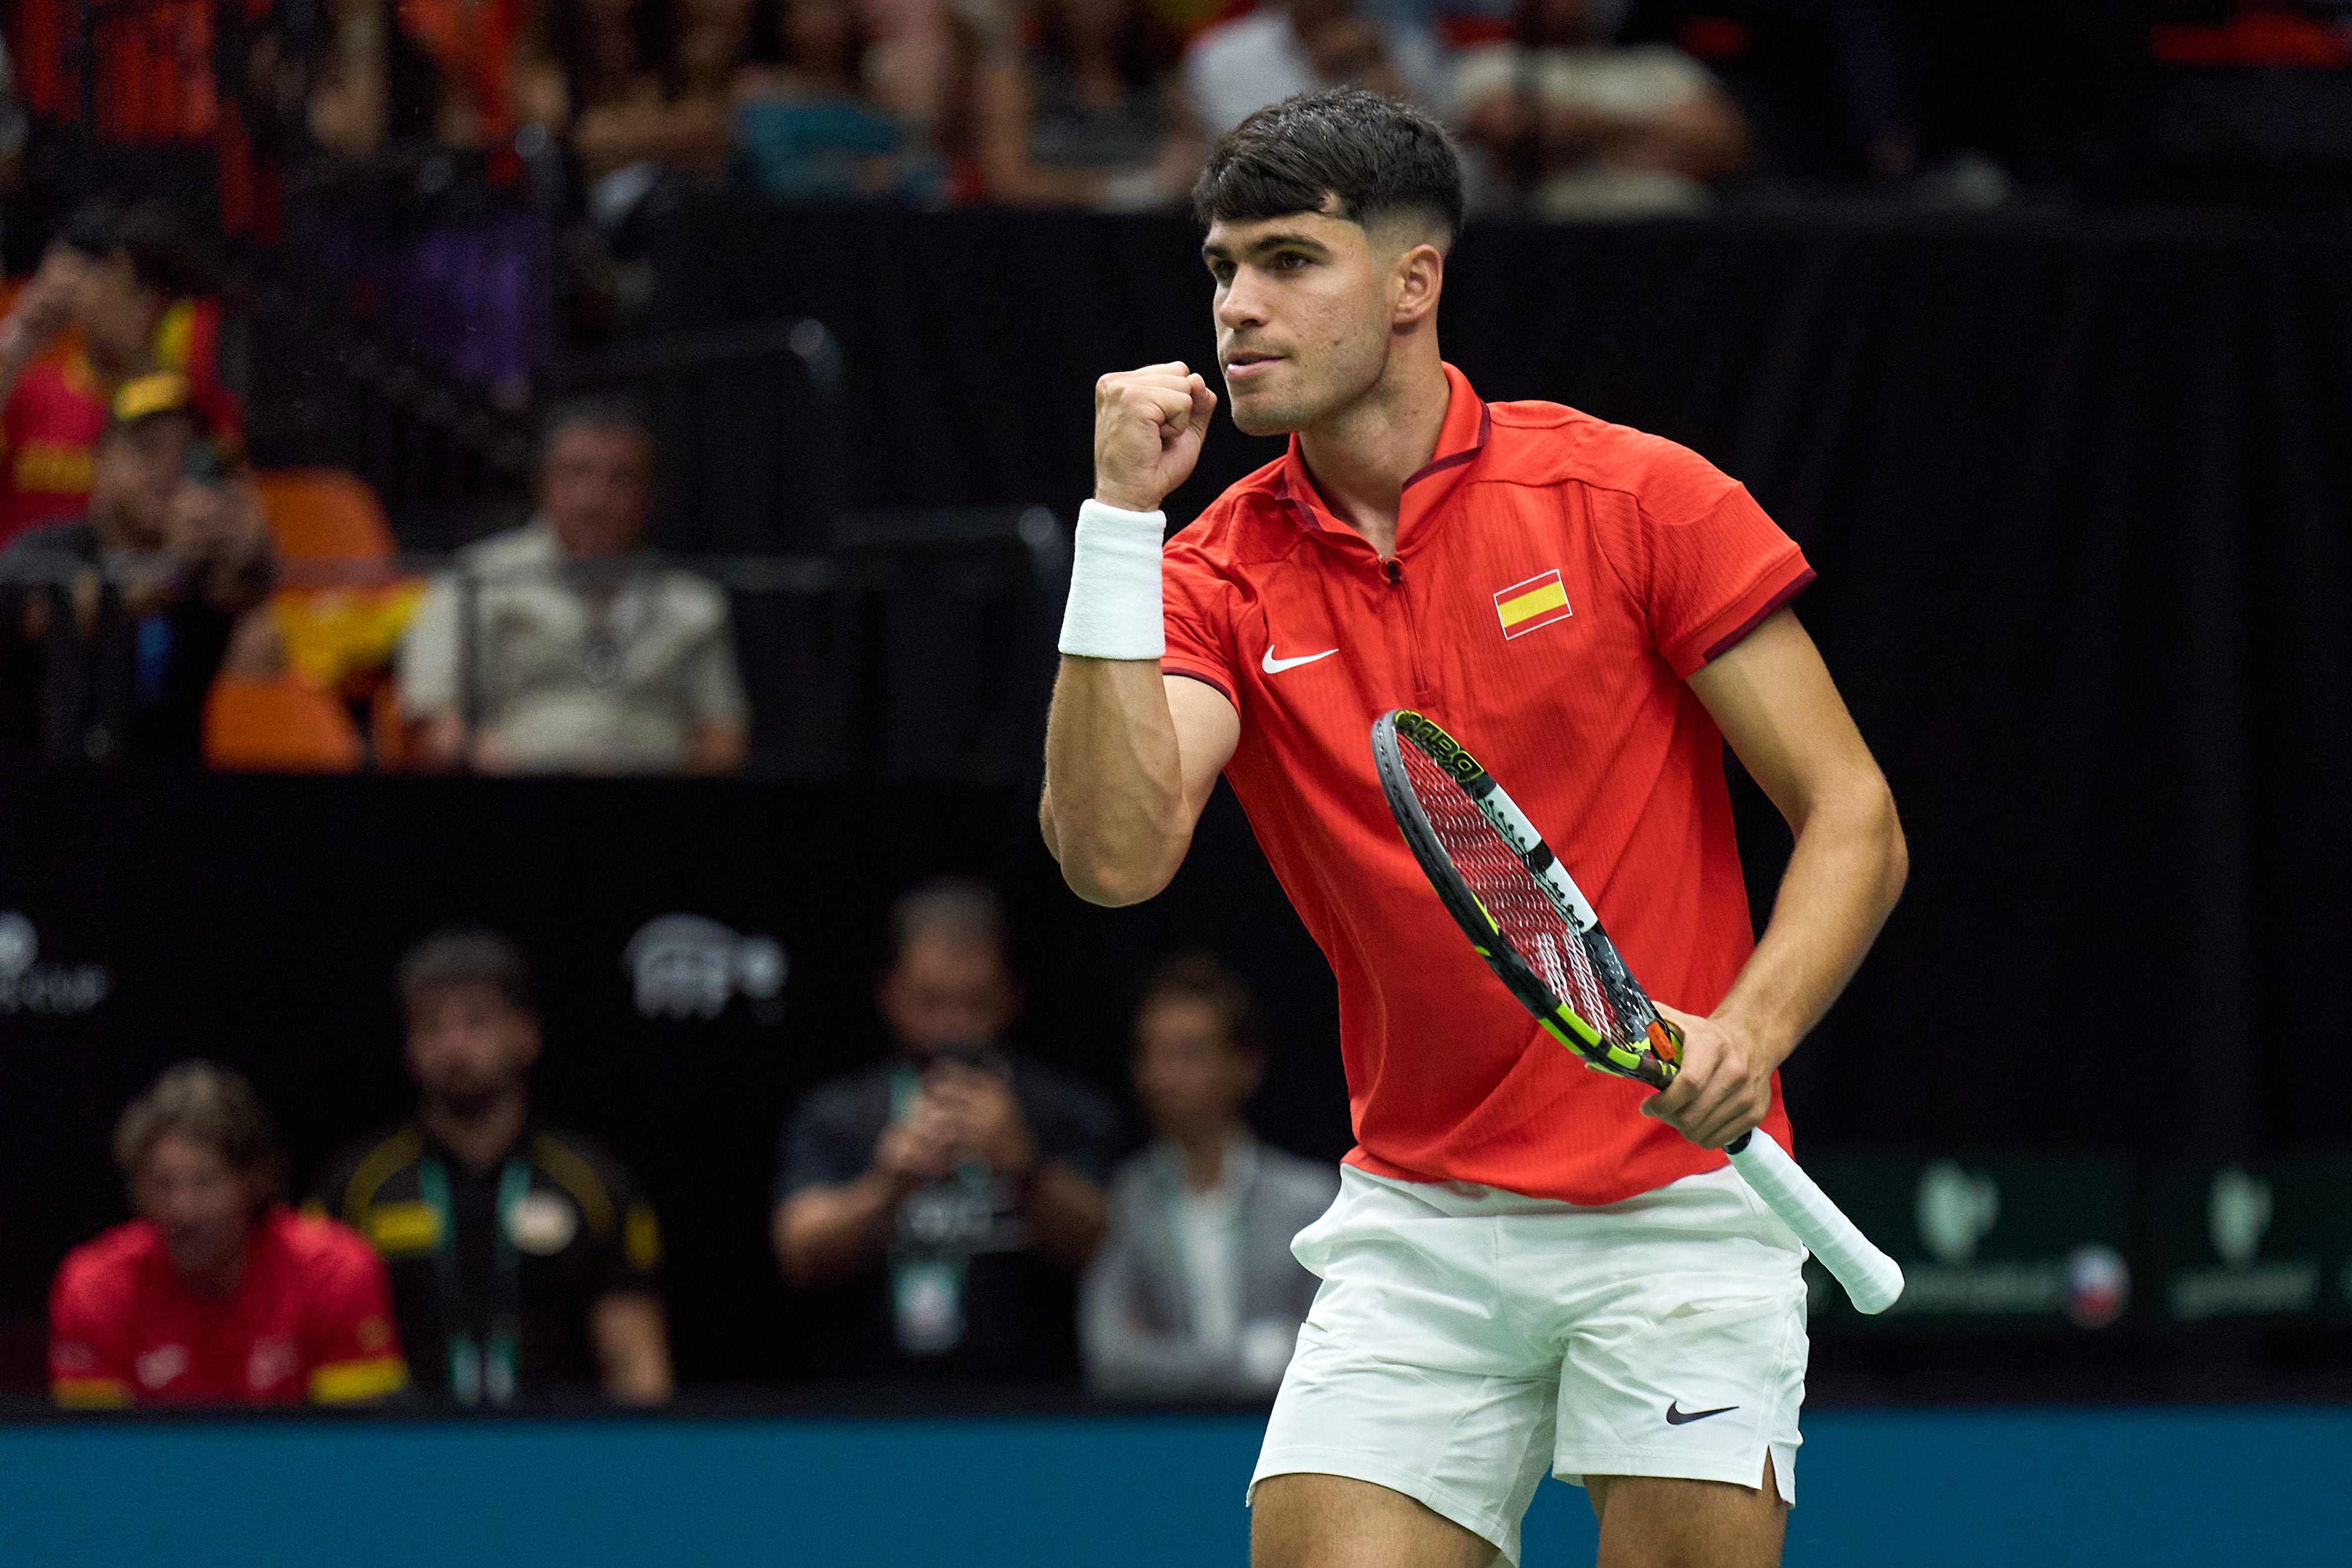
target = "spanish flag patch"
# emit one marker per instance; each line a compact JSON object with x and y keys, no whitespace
{"x":1529,"y":606}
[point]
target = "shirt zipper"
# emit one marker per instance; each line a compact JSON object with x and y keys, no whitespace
{"x":1392,"y":569}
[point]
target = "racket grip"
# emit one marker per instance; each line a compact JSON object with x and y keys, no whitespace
{"x":1871,"y":1278}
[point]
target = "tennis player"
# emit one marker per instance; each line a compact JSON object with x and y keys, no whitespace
{"x":1530,"y":1266}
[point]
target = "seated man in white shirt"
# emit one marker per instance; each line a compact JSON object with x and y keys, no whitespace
{"x":559,"y":647}
{"x":1194,"y":1294}
{"x":1236,"y":68}
{"x":1575,"y":127}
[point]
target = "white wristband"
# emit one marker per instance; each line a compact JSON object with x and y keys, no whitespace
{"x":1113,"y":609}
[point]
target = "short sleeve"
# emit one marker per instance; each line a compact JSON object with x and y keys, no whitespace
{"x":349,"y":1343}
{"x":714,"y":684}
{"x":828,"y":1141}
{"x":89,"y":1364}
{"x":1700,"y":558}
{"x":628,"y":1261}
{"x":1073,"y":1126}
{"x":429,"y":654}
{"x":1195,"y":600}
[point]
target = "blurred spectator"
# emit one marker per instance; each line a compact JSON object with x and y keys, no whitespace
{"x":807,"y":129}
{"x":477,"y":45}
{"x":373,"y":85}
{"x":1089,"y":114}
{"x":1195,"y":1294}
{"x":215,"y":1292}
{"x":115,"y":297}
{"x":1574,"y":127}
{"x":922,"y":66}
{"x":954,"y":1192}
{"x":1235,"y":70}
{"x":560,"y":647}
{"x":642,"y":89}
{"x":523,"y":1259}
{"x":113,"y":626}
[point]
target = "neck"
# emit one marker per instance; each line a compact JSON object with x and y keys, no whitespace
{"x":1205,"y":1155}
{"x":1361,"y":455}
{"x":221,"y":1278}
{"x":480,"y":1135}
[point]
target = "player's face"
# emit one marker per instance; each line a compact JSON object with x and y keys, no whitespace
{"x":1190,"y":1078}
{"x":469,"y":1044}
{"x":188,"y":1191}
{"x":597,"y":488}
{"x":944,"y":991}
{"x":1303,"y":313}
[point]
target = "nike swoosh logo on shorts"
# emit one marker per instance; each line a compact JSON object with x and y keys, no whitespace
{"x":1677,"y":1416}
{"x":1274,"y":666}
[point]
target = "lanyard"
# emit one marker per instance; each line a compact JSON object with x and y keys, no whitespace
{"x":481,"y":1368}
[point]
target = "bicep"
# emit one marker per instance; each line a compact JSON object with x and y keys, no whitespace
{"x":1773,"y":697}
{"x":1207,"y":730}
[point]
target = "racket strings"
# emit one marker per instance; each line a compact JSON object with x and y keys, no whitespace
{"x":1515,"y":900}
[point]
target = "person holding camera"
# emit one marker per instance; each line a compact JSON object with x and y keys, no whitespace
{"x":114,"y":625}
{"x":950,"y":1198}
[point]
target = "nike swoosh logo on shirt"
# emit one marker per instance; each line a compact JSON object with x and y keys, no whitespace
{"x":1677,"y":1416}
{"x":1274,"y":666}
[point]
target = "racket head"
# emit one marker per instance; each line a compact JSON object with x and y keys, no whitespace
{"x":1510,"y":896}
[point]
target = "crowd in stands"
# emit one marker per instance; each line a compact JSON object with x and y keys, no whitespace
{"x":954,"y":1212}
{"x":1103,"y":104}
{"x":141,"y":602}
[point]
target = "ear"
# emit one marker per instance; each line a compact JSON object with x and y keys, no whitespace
{"x":1416,"y":281}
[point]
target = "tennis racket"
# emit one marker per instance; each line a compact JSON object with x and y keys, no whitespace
{"x":1529,"y":920}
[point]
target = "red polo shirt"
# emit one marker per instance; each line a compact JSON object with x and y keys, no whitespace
{"x":1556,"y":579}
{"x":311,"y":1319}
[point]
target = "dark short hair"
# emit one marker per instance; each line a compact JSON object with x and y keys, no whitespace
{"x":165,"y":251}
{"x":1200,"y":977}
{"x":205,"y":1103}
{"x":611,"y":410}
{"x":465,"y":955}
{"x":1376,"y":156}
{"x":955,"y":907}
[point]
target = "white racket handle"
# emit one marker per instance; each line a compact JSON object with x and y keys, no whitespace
{"x":1870,"y":1277}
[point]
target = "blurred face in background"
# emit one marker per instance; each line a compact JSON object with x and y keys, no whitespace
{"x":139,"y":469}
{"x":948,"y":990}
{"x":1190,"y":1077}
{"x":821,"y":39}
{"x":1302,"y":312}
{"x":468,"y":1045}
{"x":596,"y":488}
{"x":199,"y":1203}
{"x":116,"y":312}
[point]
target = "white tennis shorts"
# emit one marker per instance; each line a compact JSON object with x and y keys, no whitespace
{"x":1467,"y":1339}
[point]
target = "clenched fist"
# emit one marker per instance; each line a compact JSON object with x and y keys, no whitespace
{"x":1148,"y":426}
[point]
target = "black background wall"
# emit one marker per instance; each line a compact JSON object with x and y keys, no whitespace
{"x":2078,"y":499}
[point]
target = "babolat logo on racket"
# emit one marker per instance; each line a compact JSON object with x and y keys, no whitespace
{"x":1440,"y":746}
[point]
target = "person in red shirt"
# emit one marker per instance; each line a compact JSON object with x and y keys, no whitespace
{"x":115,"y":298}
{"x":1530,"y":1266}
{"x":216,"y":1293}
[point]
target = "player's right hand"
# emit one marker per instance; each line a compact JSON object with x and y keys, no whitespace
{"x":1148,"y":426}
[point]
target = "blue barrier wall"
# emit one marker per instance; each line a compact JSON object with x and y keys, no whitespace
{"x":1909,"y":1489}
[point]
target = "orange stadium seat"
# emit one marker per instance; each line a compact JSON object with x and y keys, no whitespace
{"x":323,"y":515}
{"x":279,"y":724}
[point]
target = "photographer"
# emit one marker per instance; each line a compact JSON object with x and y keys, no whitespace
{"x":114,"y":625}
{"x":952,"y":1195}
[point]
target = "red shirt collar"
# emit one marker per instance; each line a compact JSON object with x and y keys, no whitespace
{"x":1460,"y":439}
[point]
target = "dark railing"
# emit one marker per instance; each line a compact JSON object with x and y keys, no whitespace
{"x":856,"y":657}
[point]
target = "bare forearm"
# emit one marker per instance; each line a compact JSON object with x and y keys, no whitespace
{"x":1843,"y":877}
{"x":632,"y":1339}
{"x":828,"y":1233}
{"x":1066,"y":1216}
{"x":1114,"y":811}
